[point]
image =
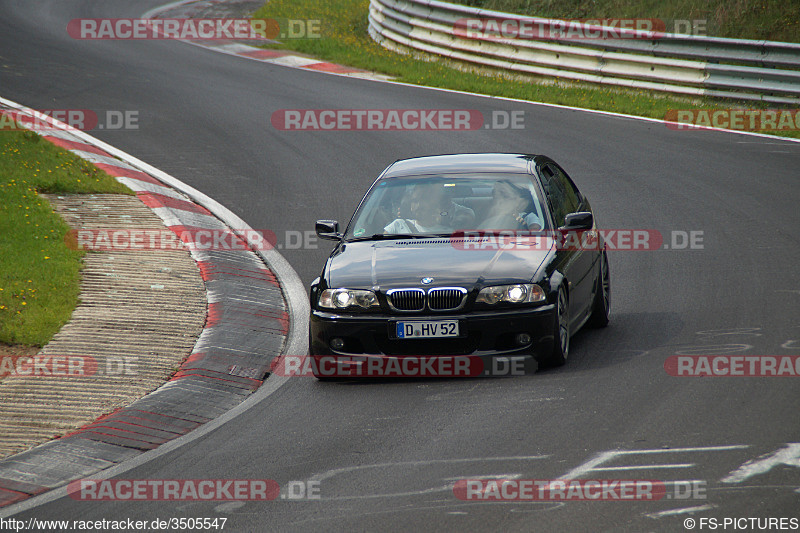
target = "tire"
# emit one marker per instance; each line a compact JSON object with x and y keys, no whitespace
{"x":561,"y":333}
{"x":601,"y":306}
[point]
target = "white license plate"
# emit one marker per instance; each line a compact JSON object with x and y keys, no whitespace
{"x":427,"y":330}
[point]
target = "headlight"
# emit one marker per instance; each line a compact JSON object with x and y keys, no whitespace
{"x":522,"y":293}
{"x":344,"y":298}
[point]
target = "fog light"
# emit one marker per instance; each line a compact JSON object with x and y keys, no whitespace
{"x":523,"y":339}
{"x":337,"y":343}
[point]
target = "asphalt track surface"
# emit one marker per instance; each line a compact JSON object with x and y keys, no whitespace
{"x":386,"y":454}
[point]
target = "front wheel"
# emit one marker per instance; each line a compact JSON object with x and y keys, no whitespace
{"x":558,"y":356}
{"x":601,"y":306}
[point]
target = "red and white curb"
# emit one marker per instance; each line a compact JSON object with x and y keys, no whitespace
{"x":275,"y":57}
{"x":257,"y":310}
{"x":286,"y":59}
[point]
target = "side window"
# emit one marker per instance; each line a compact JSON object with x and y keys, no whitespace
{"x":556,"y":195}
{"x":571,"y":196}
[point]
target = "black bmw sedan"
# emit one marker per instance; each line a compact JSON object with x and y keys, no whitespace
{"x":467,"y":257}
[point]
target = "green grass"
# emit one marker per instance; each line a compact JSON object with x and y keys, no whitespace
{"x":344,"y":39}
{"x":39,"y":274}
{"x":773,"y":20}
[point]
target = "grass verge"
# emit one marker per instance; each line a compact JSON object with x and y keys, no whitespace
{"x":39,"y":274}
{"x":344,"y":39}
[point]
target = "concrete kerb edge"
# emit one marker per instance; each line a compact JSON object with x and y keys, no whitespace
{"x":287,"y":278}
{"x":295,"y":341}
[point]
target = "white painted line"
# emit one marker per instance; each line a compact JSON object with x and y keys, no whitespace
{"x":788,"y":455}
{"x":484,"y":476}
{"x":713,"y":349}
{"x":683,"y":510}
{"x":681,"y":450}
{"x":336,"y":471}
{"x":643,"y":467}
{"x":751,"y":142}
{"x":594,"y":464}
{"x":446,"y":487}
{"x":595,"y":111}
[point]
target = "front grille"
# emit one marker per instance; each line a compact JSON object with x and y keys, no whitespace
{"x":407,"y":299}
{"x":446,"y":299}
{"x":438,"y":299}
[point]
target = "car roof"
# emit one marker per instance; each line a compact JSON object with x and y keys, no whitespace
{"x":460,"y":163}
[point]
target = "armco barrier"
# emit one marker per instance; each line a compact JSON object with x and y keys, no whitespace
{"x":765,"y":71}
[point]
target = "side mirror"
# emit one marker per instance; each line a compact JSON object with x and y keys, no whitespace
{"x":578,"y":221}
{"x":328,"y":229}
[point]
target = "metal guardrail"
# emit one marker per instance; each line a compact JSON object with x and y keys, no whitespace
{"x":742,"y":69}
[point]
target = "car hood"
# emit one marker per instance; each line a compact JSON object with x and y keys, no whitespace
{"x":391,"y":264}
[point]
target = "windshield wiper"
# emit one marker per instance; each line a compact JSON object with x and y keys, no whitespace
{"x":393,"y":236}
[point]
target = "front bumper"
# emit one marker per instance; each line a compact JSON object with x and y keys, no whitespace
{"x":487,"y":335}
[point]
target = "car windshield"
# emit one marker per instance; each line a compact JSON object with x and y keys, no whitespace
{"x":437,"y":205}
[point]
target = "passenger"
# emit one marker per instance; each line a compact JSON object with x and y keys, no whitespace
{"x":512,"y":208}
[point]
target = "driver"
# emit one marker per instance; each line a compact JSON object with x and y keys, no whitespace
{"x":428,"y":209}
